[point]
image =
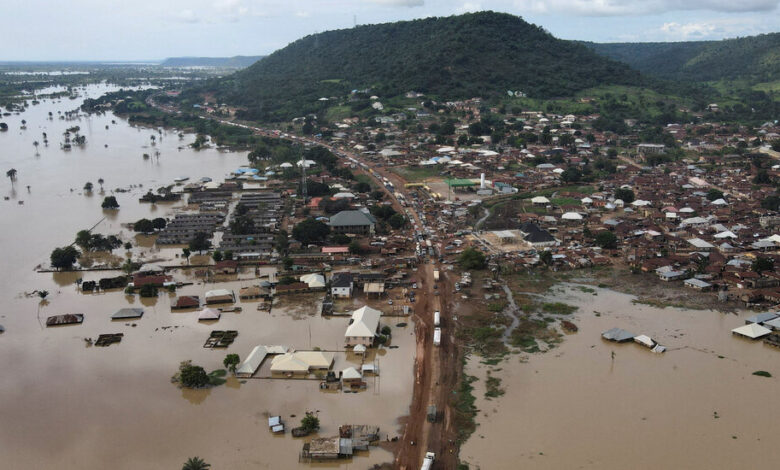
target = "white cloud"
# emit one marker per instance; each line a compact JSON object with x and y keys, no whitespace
{"x":469,"y":7}
{"x":399,"y":3}
{"x":715,"y":28}
{"x":688,"y":30}
{"x":642,"y":7}
{"x":186,"y":16}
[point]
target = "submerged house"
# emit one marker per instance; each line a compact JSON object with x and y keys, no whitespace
{"x":302,"y":362}
{"x":362,"y":327}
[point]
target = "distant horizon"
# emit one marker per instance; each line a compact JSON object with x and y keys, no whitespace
{"x":227,"y":28}
{"x":229,"y":56}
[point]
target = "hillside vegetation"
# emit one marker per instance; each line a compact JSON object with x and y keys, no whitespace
{"x":481,"y":54}
{"x":238,"y":61}
{"x":756,"y":58}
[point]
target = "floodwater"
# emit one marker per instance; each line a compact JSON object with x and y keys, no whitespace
{"x":697,"y":406}
{"x":66,"y":405}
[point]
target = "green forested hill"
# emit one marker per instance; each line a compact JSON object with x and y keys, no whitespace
{"x":756,"y":58}
{"x":480,"y":54}
{"x":239,"y":61}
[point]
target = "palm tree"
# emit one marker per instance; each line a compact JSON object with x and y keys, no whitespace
{"x":100,"y":182}
{"x":11,"y":174}
{"x":195,"y":463}
{"x":88,"y":187}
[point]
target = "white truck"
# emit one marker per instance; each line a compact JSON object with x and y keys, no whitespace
{"x":437,"y":336}
{"x":435,"y":274}
{"x":436,"y":318}
{"x":428,"y":461}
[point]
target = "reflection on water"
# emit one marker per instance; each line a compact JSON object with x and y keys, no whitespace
{"x":196,"y":397}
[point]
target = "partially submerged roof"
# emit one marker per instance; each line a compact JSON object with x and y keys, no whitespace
{"x":302,"y":361}
{"x":219,"y":293}
{"x":752,"y":331}
{"x":256,"y":357}
{"x":762,"y":318}
{"x":350,"y":373}
{"x":124,"y":313}
{"x":209,"y":314}
{"x":617,"y":335}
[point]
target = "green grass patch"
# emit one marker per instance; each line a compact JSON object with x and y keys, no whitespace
{"x":413,"y":174}
{"x":464,"y":409}
{"x":558,"y":308}
{"x":337,"y":113}
{"x":496,"y":306}
{"x":493,"y":387}
{"x":565,"y":201}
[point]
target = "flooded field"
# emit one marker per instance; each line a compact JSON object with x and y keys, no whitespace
{"x":594,"y":404}
{"x":65,"y":404}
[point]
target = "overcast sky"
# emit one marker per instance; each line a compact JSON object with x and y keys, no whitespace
{"x":155,"y":29}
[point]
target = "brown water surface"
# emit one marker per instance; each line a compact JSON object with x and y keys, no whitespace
{"x":64,"y":404}
{"x":697,"y":406}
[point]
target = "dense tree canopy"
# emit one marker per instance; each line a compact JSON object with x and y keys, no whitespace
{"x":310,"y":231}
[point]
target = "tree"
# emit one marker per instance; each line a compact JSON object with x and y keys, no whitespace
{"x":310,"y":231}
{"x":231,"y":361}
{"x":148,"y":290}
{"x":186,"y":252}
{"x":546,"y":257}
{"x":217,"y":255}
{"x":195,"y":463}
{"x":11,"y":174}
{"x":100,"y":182}
{"x":571,"y":175}
{"x":288,"y":263}
{"x":771,"y":203}
{"x":63,"y":258}
{"x":43,"y":294}
{"x":762,"y":263}
{"x":82,"y":239}
{"x":310,"y":422}
{"x":280,"y":241}
{"x":625,"y":194}
{"x":192,"y":376}
{"x":396,"y":221}
{"x":144,"y":226}
{"x":200,"y":242}
{"x":472,"y":259}
{"x":355,"y":248}
{"x":109,"y":202}
{"x":762,"y":177}
{"x":714,"y":194}
{"x":361,"y":187}
{"x":159,"y":223}
{"x":88,"y":187}
{"x":606,"y":240}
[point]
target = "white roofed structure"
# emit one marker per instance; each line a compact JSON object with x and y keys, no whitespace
{"x":363,"y":327}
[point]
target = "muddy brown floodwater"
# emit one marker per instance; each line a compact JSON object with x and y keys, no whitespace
{"x":697,"y":406}
{"x":66,"y":405}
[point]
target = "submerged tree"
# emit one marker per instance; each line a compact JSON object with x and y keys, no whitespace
{"x":11,"y":174}
{"x":110,"y":202}
{"x":195,"y":463}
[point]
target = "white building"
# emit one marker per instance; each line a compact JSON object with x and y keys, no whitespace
{"x":363,"y":327}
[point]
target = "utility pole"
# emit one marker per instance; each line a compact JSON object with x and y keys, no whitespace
{"x":303,"y":178}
